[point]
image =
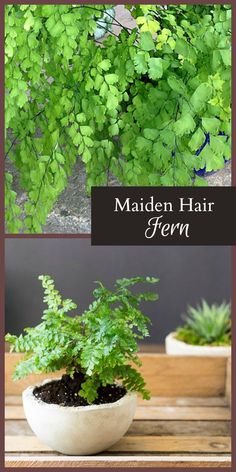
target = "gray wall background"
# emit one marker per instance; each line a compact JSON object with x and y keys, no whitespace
{"x":186,"y":274}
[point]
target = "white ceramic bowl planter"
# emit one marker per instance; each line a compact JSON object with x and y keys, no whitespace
{"x":81,"y":430}
{"x":179,"y":348}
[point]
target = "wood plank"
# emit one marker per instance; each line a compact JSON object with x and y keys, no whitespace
{"x":182,"y":413}
{"x":165,"y":375}
{"x":173,"y":444}
{"x":153,"y":413}
{"x":178,"y":428}
{"x":15,"y":412}
{"x":228,"y":385}
{"x":136,"y":444}
{"x":160,"y":348}
{"x":17,"y":427}
{"x":181,"y":401}
{"x":118,"y":461}
{"x":13,"y":400}
{"x":25,"y":444}
{"x":146,"y":427}
{"x":154,"y":401}
{"x":184,"y":376}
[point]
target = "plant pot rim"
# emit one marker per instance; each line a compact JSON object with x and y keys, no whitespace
{"x":27,"y":394}
{"x":172,"y":335}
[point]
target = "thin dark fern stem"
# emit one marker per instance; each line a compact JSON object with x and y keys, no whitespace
{"x":11,"y":146}
{"x":18,"y":136}
{"x":108,"y":14}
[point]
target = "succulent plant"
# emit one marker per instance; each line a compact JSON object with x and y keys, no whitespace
{"x":206,"y":324}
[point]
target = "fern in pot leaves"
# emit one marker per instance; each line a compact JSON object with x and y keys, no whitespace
{"x":92,"y":405}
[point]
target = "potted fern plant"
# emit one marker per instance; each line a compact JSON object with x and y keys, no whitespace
{"x":206,"y":332}
{"x":91,"y":406}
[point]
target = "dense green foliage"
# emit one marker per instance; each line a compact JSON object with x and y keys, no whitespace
{"x":141,"y":107}
{"x":101,"y":343}
{"x":207,"y":324}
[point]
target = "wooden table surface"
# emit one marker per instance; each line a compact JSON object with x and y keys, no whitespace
{"x":167,"y":431}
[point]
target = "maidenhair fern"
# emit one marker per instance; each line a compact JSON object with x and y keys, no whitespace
{"x":150,"y":106}
{"x":101,"y":343}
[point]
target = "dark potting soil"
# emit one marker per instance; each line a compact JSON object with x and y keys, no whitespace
{"x":65,"y":392}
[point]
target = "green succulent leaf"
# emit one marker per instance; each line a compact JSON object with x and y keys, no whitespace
{"x":207,"y":325}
